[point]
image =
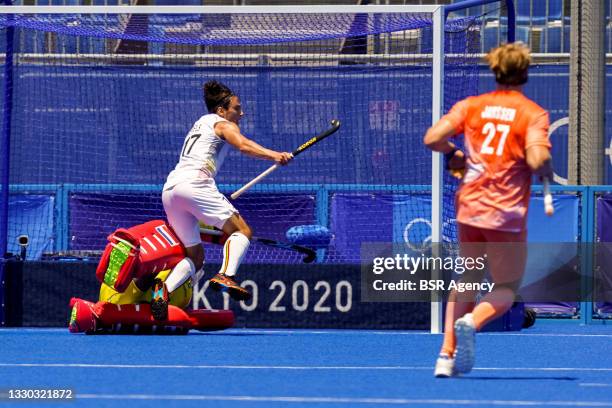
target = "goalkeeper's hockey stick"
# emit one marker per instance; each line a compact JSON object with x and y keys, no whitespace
{"x":335,"y":126}
{"x":309,"y":254}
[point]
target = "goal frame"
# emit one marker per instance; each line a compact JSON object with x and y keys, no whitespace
{"x":438,"y":13}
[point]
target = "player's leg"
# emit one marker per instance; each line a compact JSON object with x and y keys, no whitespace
{"x":238,"y":241}
{"x":171,"y":289}
{"x":179,"y":209}
{"x":507,"y":256}
{"x":185,"y":269}
{"x":203,"y":202}
{"x":213,"y":208}
{"x":234,"y":249}
{"x":458,"y":305}
{"x":445,"y":364}
{"x":180,"y":296}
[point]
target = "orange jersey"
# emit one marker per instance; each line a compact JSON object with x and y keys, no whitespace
{"x":499,"y":127}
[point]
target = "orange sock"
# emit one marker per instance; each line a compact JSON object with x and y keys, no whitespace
{"x":448,"y":347}
{"x":454,"y":310}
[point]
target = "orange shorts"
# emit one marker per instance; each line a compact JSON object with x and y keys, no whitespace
{"x":505,"y":252}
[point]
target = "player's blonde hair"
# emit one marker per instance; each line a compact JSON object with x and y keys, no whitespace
{"x":509,"y":63}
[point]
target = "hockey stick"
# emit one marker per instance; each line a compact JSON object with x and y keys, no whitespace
{"x":335,"y":126}
{"x":309,"y":254}
{"x":549,"y":209}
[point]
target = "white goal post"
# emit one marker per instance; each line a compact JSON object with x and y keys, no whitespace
{"x":436,"y":12}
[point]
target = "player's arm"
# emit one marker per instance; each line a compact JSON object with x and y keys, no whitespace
{"x":538,"y":146}
{"x":451,"y":124}
{"x":437,"y":138}
{"x":539,"y":161}
{"x":231,"y":134}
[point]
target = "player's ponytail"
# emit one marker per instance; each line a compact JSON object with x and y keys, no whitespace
{"x":216,"y":95}
{"x":510,"y":63}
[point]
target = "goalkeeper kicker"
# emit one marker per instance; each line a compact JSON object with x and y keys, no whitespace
{"x":146,"y":265}
{"x":141,"y":268}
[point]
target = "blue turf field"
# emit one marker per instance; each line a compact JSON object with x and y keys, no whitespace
{"x":551,"y":364}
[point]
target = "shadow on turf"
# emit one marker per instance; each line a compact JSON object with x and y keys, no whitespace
{"x":521,"y":378}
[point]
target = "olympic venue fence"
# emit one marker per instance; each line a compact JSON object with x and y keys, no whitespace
{"x":58,"y":217}
{"x":582,"y":214}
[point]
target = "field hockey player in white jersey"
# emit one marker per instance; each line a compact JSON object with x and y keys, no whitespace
{"x":190,"y":194}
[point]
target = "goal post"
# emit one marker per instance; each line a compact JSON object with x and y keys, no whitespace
{"x":94,"y":131}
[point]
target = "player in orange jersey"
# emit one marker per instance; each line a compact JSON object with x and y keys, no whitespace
{"x":506,"y":139}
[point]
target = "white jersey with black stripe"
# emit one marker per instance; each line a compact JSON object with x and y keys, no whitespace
{"x":202,"y":154}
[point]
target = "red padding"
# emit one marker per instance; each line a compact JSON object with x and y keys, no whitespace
{"x":155,"y":248}
{"x":73,"y":300}
{"x":127,"y":270}
{"x":92,"y":317}
{"x":103,"y":264}
{"x":207,"y":320}
{"x":82,"y":316}
{"x":110,"y":314}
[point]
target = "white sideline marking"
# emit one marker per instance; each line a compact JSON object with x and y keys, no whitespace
{"x":296,"y":368}
{"x":343,"y":400}
{"x":546,"y":334}
{"x":407,"y":333}
{"x":403,"y":333}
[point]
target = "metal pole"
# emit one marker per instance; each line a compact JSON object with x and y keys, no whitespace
{"x":511,"y":21}
{"x":5,"y":144}
{"x":587,"y":93}
{"x":437,"y":182}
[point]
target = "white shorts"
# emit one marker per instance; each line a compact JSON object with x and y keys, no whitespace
{"x":189,"y":202}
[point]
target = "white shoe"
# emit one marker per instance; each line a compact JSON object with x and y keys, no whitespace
{"x":464,"y":353}
{"x":445,"y":366}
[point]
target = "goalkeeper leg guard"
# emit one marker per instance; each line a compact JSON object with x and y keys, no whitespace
{"x":83,"y":319}
{"x":105,"y":318}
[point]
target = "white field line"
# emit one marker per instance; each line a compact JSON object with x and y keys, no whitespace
{"x":345,"y":400}
{"x":290,"y":368}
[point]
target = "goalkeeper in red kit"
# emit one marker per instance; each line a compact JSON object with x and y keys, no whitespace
{"x":135,"y":263}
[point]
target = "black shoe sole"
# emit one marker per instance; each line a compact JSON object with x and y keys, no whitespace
{"x":216,"y":286}
{"x":159,"y":310}
{"x":239,"y":295}
{"x":236,"y":294}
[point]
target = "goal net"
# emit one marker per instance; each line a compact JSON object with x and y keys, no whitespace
{"x":100,"y":104}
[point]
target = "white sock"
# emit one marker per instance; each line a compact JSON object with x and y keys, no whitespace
{"x":179,"y":274}
{"x":233,"y":251}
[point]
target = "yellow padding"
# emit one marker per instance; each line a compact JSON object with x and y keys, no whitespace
{"x":132,"y":295}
